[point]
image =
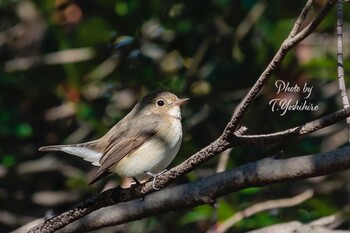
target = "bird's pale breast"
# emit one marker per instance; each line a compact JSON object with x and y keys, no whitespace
{"x":155,"y":154}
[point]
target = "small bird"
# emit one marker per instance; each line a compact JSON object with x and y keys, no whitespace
{"x":140,"y":145}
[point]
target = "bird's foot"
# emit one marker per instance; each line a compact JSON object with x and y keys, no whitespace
{"x":136,"y":184}
{"x":154,"y":178}
{"x":136,"y":181}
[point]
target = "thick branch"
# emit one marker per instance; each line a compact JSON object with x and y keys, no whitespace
{"x":259,"y":173}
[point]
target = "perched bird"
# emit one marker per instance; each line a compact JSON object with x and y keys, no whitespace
{"x":139,"y":146}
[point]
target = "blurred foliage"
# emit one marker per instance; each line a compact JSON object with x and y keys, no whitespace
{"x":72,"y":69}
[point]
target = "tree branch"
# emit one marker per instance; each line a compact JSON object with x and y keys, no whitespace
{"x":260,"y":173}
{"x":312,"y":126}
{"x":259,"y":207}
{"x":301,"y":18}
{"x":286,"y":46}
{"x":340,"y":60}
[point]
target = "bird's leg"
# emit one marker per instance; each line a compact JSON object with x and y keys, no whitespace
{"x":154,"y":178}
{"x":136,"y":181}
{"x":134,"y":186}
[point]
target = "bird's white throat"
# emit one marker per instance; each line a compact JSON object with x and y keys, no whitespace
{"x":175,"y":112}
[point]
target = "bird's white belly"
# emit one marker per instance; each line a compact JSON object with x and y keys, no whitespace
{"x":153,"y":156}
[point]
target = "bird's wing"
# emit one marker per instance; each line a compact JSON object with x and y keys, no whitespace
{"x":123,"y":142}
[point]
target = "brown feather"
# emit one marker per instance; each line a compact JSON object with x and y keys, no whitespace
{"x":121,"y":144}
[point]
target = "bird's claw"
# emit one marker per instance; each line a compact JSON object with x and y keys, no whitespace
{"x":154,"y":178}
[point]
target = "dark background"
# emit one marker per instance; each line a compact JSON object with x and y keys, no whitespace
{"x":114,"y":52}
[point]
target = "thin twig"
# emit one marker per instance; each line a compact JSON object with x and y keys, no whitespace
{"x":312,"y":126}
{"x":197,"y":60}
{"x":223,"y":160}
{"x":244,"y":27}
{"x":252,"y":17}
{"x":198,"y":57}
{"x":254,"y":209}
{"x":340,"y":60}
{"x":301,"y":18}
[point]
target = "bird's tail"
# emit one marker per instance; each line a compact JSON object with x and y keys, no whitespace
{"x":88,"y":151}
{"x":53,"y":148}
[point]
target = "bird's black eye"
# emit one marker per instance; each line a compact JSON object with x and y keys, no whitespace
{"x":160,"y":103}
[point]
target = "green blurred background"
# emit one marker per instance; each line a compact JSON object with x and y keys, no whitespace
{"x":71,"y":69}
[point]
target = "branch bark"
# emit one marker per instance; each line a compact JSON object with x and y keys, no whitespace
{"x":340,"y":60}
{"x":205,"y":191}
{"x":312,"y":126}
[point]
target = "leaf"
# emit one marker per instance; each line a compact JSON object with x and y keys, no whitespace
{"x":24,"y":130}
{"x":251,"y":191}
{"x":8,"y":161}
{"x":197,"y":214}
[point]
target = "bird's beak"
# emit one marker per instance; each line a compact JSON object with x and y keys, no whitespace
{"x":180,"y":102}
